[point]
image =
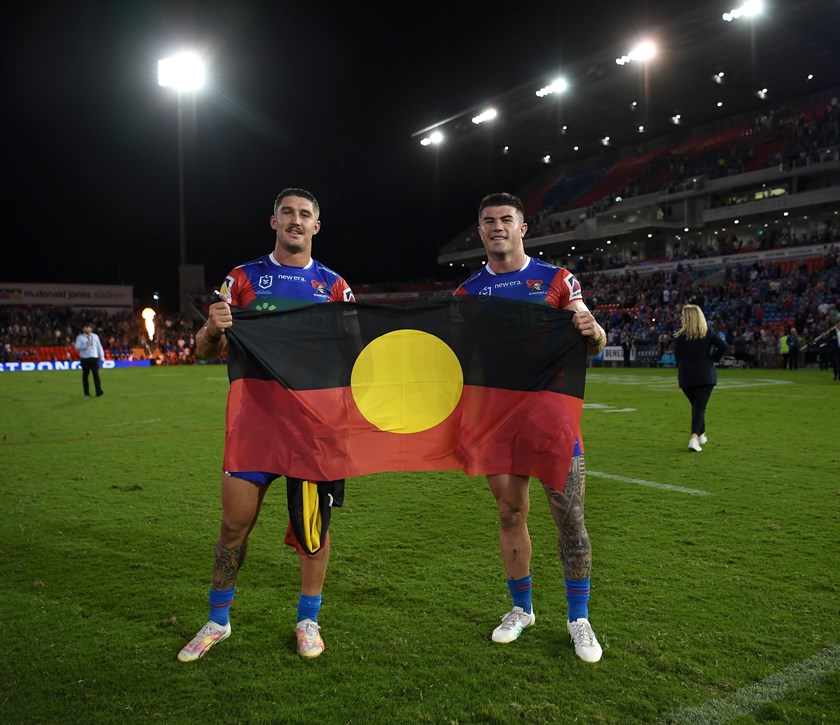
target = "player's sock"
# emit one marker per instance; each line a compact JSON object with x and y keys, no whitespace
{"x":520,"y":592}
{"x":220,"y":601}
{"x":577,"y":595}
{"x":308,"y":607}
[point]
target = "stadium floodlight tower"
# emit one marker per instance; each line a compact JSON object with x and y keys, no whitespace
{"x":185,"y":73}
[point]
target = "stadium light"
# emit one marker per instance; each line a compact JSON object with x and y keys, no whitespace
{"x":749,"y":9}
{"x":434,"y":138}
{"x":558,"y":86}
{"x":640,"y":54}
{"x":185,"y":73}
{"x":485,"y":116}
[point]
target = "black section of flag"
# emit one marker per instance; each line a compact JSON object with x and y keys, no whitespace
{"x":499,"y":343}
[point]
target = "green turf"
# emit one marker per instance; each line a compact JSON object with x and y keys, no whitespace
{"x":715,"y":579}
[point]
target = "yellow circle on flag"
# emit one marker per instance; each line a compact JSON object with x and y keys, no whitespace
{"x":406,"y":381}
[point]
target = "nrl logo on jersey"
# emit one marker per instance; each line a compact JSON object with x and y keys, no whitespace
{"x":486,"y":291}
{"x":265,"y":281}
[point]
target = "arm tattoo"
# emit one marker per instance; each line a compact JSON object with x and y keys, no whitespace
{"x":573,"y":546}
{"x":226,"y":564}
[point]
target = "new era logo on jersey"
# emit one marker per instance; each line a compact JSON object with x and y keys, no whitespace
{"x":575,"y":292}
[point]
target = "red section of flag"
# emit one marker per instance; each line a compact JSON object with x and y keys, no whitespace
{"x":322,"y":435}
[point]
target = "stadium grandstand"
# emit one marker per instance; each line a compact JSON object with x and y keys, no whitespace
{"x":742,"y":220}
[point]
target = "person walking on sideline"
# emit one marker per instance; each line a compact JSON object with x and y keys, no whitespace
{"x":784,"y":351}
{"x":91,"y":355}
{"x":696,"y":350}
{"x":287,"y":276}
{"x":510,"y":272}
{"x":834,"y":348}
{"x":793,"y":349}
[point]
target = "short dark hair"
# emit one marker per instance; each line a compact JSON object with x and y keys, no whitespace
{"x":295,"y":191}
{"x":502,"y":198}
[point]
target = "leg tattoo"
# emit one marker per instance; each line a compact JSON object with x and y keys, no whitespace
{"x":226,"y":565}
{"x":566,"y":508}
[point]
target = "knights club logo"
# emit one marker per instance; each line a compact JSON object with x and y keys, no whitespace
{"x":319,"y":287}
{"x":536,"y":284}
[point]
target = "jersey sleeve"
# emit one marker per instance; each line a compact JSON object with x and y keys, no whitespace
{"x":341,"y":292}
{"x":238,"y":288}
{"x":563,"y":289}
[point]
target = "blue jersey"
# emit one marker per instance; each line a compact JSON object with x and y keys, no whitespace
{"x":537,"y":281}
{"x":265,"y":284}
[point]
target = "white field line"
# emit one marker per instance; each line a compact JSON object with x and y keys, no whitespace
{"x":670,"y":381}
{"x":651,"y":484}
{"x":774,"y":688}
{"x":136,"y":422}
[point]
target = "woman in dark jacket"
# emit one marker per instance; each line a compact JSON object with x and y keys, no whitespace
{"x":696,"y":351}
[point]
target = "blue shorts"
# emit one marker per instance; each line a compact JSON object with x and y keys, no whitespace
{"x":260,"y":477}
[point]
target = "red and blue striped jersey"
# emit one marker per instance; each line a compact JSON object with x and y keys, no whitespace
{"x":537,"y":281}
{"x":265,"y":284}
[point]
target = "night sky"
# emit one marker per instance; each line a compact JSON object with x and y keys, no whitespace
{"x":300,"y":94}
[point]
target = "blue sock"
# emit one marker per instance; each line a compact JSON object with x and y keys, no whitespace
{"x":520,"y":591}
{"x":220,"y":601}
{"x":577,"y":595}
{"x":308,"y":607}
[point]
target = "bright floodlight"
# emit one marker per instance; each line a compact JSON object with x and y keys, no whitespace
{"x":183,"y":72}
{"x":487,"y":115}
{"x":557,"y":86}
{"x":749,"y":9}
{"x":436,"y":137}
{"x":641,"y":53}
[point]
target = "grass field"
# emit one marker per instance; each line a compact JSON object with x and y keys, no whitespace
{"x":714,"y":585}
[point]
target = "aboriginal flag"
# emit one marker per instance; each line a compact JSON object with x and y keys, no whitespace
{"x":478,"y":384}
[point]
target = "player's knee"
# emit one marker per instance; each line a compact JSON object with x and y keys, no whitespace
{"x":233,"y":531}
{"x":572,"y":526}
{"x":512,"y":518}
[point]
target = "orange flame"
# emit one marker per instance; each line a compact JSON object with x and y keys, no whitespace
{"x":149,"y":316}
